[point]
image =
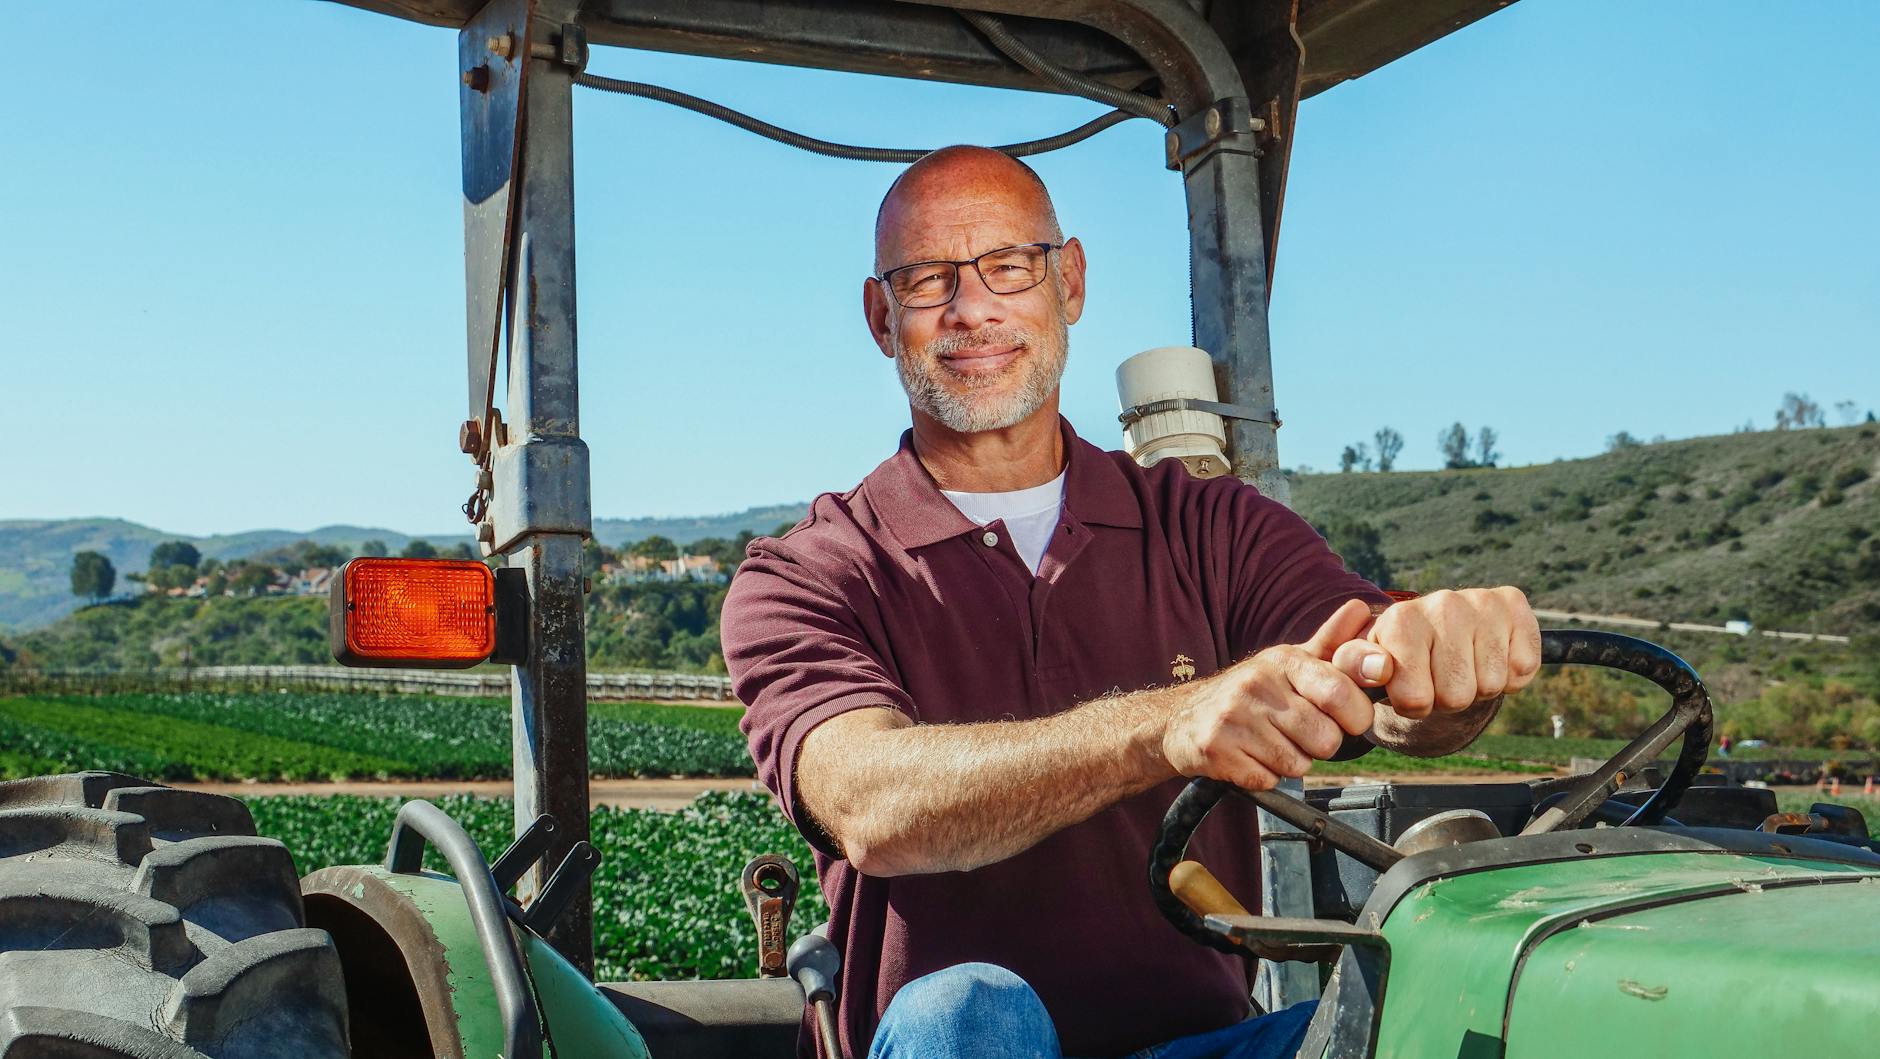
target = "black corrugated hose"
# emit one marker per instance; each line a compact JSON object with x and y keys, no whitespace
{"x":826,"y":147}
{"x":1129,"y":105}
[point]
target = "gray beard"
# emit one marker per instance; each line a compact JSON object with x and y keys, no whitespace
{"x":971,"y":405}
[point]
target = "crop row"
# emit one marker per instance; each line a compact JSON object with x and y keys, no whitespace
{"x":666,"y":900}
{"x":341,"y":736}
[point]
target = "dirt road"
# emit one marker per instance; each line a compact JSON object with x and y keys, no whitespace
{"x":665,"y":794}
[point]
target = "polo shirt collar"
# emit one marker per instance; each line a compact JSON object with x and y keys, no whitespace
{"x":911,"y":506}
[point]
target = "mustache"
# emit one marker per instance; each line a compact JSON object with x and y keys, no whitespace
{"x":959,"y":341}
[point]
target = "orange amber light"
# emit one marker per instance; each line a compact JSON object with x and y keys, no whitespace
{"x":433,"y":611}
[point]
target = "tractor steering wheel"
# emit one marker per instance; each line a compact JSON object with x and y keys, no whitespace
{"x":1689,"y":716}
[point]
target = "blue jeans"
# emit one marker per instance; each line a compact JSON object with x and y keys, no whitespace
{"x":987,"y":1012}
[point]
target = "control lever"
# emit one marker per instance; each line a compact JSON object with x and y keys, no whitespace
{"x":562,"y":886}
{"x":814,"y":963}
{"x":770,"y":885}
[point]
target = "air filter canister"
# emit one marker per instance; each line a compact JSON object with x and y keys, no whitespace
{"x":1198,"y":439}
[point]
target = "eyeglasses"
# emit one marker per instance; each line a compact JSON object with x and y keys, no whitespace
{"x":1008,"y":270}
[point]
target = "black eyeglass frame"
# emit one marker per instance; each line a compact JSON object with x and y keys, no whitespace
{"x":1048,"y":248}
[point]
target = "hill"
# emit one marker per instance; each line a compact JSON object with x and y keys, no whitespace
{"x":615,"y":532}
{"x":649,"y":625}
{"x":36,"y":554}
{"x":1778,"y":527}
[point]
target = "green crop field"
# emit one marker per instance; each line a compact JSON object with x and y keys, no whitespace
{"x":320,"y":736}
{"x":316,"y":736}
{"x":666,"y":900}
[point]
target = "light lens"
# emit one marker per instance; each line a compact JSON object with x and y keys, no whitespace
{"x":432,"y":610}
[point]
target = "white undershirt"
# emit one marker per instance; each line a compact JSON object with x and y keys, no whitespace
{"x":1030,"y":515}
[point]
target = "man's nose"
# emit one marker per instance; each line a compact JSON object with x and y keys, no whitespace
{"x":973,"y":305}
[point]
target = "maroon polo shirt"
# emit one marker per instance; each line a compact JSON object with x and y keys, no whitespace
{"x":887,"y":596}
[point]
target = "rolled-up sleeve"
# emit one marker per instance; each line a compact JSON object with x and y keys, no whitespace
{"x":799,"y":653}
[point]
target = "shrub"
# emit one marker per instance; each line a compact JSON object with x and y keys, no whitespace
{"x":1488,"y":520}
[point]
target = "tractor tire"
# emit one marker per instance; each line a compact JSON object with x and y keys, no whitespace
{"x":144,"y":922}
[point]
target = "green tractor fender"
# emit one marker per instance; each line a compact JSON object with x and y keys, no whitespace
{"x":434,"y":967}
{"x":1624,"y":941}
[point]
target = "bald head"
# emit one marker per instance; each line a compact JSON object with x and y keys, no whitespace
{"x":949,"y":191}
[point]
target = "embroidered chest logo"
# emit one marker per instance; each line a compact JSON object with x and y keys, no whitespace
{"x":1183,"y":668}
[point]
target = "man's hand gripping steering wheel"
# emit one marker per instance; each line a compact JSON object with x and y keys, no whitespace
{"x":1275,"y":713}
{"x":1689,"y":718}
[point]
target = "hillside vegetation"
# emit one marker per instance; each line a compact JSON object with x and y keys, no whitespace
{"x":653,"y":625}
{"x":36,"y":554}
{"x":1778,"y":527}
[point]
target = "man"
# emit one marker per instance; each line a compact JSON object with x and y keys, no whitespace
{"x":976,"y":681}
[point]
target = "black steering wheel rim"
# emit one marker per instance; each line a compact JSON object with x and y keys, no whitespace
{"x":1689,"y":717}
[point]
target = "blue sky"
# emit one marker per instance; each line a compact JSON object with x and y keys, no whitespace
{"x":232,"y":264}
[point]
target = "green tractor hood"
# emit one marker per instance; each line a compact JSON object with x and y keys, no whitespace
{"x":1686,"y":949}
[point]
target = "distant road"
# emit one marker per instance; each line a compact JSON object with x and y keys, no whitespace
{"x":1677,"y":626}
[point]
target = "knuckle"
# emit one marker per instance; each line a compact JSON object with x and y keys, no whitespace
{"x":1325,"y":742}
{"x":1255,"y":779}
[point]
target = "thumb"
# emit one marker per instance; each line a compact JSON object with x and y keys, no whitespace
{"x":1346,"y":623}
{"x":1367,"y":664}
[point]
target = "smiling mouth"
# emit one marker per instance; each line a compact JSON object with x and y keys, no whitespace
{"x":983,"y":360}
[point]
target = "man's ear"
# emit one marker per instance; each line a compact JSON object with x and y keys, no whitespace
{"x":877,"y":308}
{"x":1071,"y":276}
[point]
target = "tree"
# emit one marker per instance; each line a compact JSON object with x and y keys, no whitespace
{"x":593,"y":554}
{"x":655,"y":547}
{"x":1485,"y":454}
{"x":1798,"y":411}
{"x":1621,"y":441}
{"x":375,"y":549}
{"x":250,"y":579}
{"x":92,"y":576}
{"x":175,"y":575}
{"x":174,"y":553}
{"x":1848,"y":411}
{"x":1389,"y":444}
{"x":1454,"y":443}
{"x":419,"y":548}
{"x":309,"y":554}
{"x":1356,"y":457}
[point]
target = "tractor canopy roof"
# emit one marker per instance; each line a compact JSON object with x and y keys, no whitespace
{"x":1339,"y":39}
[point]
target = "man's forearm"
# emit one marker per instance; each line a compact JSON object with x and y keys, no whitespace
{"x":905,"y":799}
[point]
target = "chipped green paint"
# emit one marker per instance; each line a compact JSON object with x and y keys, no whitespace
{"x":1456,"y":943}
{"x":472,"y":994}
{"x":1761,"y":971}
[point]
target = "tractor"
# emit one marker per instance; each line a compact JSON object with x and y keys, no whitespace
{"x":1639,"y":907}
